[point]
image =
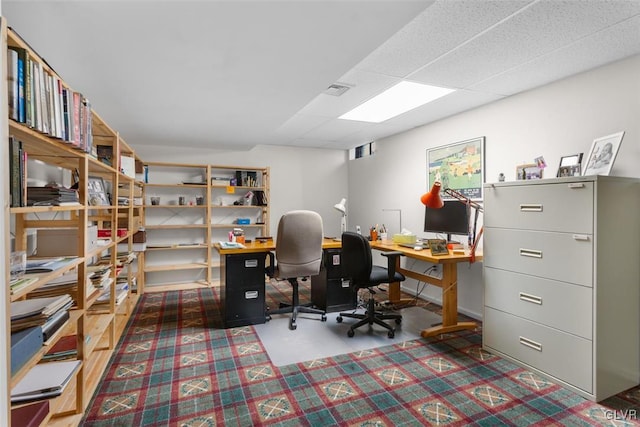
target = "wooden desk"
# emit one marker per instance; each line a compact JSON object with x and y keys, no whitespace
{"x":448,"y":283}
{"x":268,"y":246}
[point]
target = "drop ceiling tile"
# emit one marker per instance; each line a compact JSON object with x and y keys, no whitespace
{"x":537,"y":30}
{"x":335,"y":129}
{"x":609,"y":45}
{"x":440,"y":28}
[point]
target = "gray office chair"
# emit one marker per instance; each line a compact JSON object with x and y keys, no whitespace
{"x":298,"y":255}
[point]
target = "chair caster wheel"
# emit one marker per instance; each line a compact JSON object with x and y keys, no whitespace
{"x":350,"y":333}
{"x":398,"y":321}
{"x":323,"y":318}
{"x":391,"y":334}
{"x":339,"y":319}
{"x":293,"y":326}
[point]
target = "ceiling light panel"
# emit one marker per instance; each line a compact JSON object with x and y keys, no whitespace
{"x":394,"y":101}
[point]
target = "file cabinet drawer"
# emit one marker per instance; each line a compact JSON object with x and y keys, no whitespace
{"x":565,"y":207}
{"x":558,"y":256}
{"x":557,"y":304}
{"x":559,"y":354}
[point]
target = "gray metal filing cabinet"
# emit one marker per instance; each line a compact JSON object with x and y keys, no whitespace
{"x":242,"y":289}
{"x":562,"y":280}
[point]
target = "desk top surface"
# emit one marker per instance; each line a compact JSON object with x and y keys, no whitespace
{"x":267,"y":246}
{"x":381,"y":245}
{"x":424,"y":254}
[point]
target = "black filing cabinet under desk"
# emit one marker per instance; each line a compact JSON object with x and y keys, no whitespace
{"x":328,"y":291}
{"x":242,"y":290}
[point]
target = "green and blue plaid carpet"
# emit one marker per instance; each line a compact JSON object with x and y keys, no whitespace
{"x":176,"y":366}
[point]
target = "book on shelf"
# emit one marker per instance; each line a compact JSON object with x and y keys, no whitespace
{"x":24,"y":345}
{"x":55,"y":322}
{"x":44,"y":380}
{"x":12,"y":78}
{"x":54,"y":196}
{"x":17,"y":172}
{"x":31,"y":415}
{"x":21,"y":283}
{"x":38,"y":307}
{"x":47,"y":265}
{"x":65,"y":348}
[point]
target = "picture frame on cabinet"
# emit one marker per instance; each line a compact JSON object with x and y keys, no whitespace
{"x":529,"y":171}
{"x":602,"y":154}
{"x":96,"y":192}
{"x":570,"y":165}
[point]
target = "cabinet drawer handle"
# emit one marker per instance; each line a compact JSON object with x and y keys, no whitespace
{"x":251,"y":294}
{"x":530,"y":253}
{"x":530,"y":298}
{"x":581,"y":237}
{"x":251,"y":263}
{"x":530,"y":343}
{"x":576,"y":185}
{"x":530,"y":207}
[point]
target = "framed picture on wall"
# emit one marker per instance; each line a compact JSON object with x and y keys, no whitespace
{"x":459,"y":166}
{"x":602,"y":154}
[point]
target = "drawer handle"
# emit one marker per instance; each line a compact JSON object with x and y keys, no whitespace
{"x":251,"y":295}
{"x":530,"y":298}
{"x":576,"y":185}
{"x":581,"y":237}
{"x":530,"y":343}
{"x":530,"y":253}
{"x":251,"y":263}
{"x":530,"y":207}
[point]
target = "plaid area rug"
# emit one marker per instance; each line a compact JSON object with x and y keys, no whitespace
{"x":176,"y":366}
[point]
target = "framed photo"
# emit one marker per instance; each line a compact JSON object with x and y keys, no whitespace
{"x":602,"y":154}
{"x":438,"y":247}
{"x":459,"y":166}
{"x":96,"y":192}
{"x":529,"y":171}
{"x":570,"y":165}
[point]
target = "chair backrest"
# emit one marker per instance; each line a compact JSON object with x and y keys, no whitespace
{"x":299,"y":244}
{"x":356,"y":258}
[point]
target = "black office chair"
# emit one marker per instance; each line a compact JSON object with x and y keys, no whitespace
{"x":357,"y":266}
{"x":298,"y":255}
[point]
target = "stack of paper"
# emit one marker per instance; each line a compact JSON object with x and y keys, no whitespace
{"x":45,"y":380}
{"x":37,"y":311}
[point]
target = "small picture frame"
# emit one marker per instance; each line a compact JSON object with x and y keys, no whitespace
{"x":602,"y":154}
{"x":529,"y":171}
{"x":570,"y":165}
{"x":96,"y":192}
{"x":438,"y":247}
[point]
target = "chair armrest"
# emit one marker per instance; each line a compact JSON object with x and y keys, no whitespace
{"x":270,"y":270}
{"x":392,"y":257}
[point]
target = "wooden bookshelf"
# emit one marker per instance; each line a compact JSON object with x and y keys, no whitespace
{"x":195,"y":227}
{"x":49,"y":140}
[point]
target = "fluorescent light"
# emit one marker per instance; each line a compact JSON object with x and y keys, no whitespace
{"x":394,"y":101}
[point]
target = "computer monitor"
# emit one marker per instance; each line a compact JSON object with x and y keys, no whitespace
{"x":452,"y":218}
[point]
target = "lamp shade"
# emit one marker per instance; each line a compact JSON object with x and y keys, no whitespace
{"x":341,"y":206}
{"x":432,"y":199}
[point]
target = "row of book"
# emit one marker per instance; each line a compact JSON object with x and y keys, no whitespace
{"x":39,"y":99}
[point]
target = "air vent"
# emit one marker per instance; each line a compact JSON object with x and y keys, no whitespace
{"x":337,"y":89}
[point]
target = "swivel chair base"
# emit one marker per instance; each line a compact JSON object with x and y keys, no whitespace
{"x":370,"y":317}
{"x":294,"y":308}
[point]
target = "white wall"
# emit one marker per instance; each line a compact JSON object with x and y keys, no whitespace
{"x":301,"y":178}
{"x":559,"y":119}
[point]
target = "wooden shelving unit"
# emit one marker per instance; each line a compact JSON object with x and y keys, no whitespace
{"x":97,"y":326}
{"x":198,"y":225}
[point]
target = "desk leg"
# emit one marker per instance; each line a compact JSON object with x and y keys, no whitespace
{"x":449,"y":305}
{"x":395,"y":292}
